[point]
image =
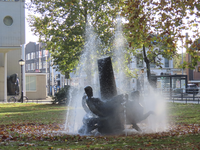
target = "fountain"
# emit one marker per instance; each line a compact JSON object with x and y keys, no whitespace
{"x":86,"y":74}
{"x":113,"y":106}
{"x":108,"y":112}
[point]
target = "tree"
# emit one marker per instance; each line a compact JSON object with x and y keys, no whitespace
{"x":61,"y":25}
{"x":193,"y":52}
{"x":177,"y":60}
{"x":162,"y":22}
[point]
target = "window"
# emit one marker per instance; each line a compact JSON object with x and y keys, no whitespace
{"x":58,"y":76}
{"x":32,"y":55}
{"x":166,"y":63}
{"x":58,"y":83}
{"x":139,"y":63}
{"x":32,"y":66}
{"x":31,"y":83}
{"x":43,"y":53}
{"x":28,"y":56}
{"x":199,"y":69}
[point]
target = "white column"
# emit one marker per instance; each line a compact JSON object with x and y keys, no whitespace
{"x":24,"y":76}
{"x":52,"y":83}
{"x":5,"y":77}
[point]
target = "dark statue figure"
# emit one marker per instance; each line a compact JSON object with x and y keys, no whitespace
{"x":13,"y":85}
{"x":135,"y":111}
{"x":109,"y":114}
{"x":105,"y":116}
{"x":108,"y":117}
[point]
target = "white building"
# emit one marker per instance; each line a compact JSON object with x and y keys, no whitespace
{"x":140,"y":66}
{"x":12,"y":38}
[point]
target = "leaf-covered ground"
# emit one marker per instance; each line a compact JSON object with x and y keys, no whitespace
{"x":40,"y":136}
{"x":51,"y":135}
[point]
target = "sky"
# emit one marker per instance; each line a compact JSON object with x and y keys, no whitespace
{"x":30,"y":37}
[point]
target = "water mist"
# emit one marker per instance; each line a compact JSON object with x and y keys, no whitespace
{"x":88,"y":75}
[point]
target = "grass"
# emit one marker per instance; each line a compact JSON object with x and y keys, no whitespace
{"x":21,"y":127}
{"x":184,"y":113}
{"x":19,"y":113}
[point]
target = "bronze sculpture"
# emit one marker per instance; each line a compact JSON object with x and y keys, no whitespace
{"x":109,"y":114}
{"x":13,"y":84}
{"x":105,"y":116}
{"x":108,"y":117}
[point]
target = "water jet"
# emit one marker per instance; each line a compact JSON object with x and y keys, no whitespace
{"x":118,"y":107}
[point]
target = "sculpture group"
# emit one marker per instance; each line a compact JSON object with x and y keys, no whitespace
{"x":109,"y":114}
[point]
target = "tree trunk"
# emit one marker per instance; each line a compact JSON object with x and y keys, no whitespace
{"x":148,"y":66}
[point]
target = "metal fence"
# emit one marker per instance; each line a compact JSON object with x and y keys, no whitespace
{"x":182,"y":95}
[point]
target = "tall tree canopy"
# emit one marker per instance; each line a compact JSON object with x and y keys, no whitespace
{"x":61,"y":25}
{"x":159,"y":21}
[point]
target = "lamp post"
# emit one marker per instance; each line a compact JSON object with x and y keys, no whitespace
{"x":21,"y":63}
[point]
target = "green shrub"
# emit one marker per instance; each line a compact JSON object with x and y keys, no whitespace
{"x":62,"y":97}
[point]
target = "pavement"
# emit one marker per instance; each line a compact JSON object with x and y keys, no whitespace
{"x":178,"y":99}
{"x":48,"y":100}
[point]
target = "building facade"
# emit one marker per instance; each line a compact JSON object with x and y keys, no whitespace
{"x":38,"y":60}
{"x":139,"y":65}
{"x":12,"y":39}
{"x":194,"y":75}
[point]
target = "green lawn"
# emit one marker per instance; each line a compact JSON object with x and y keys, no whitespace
{"x":19,"y":113}
{"x":38,"y":126}
{"x":184,"y":113}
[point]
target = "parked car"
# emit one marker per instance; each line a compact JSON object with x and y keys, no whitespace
{"x":192,"y":89}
